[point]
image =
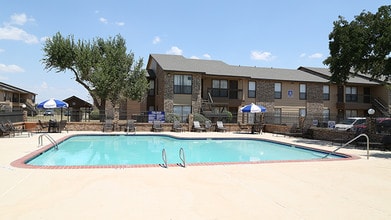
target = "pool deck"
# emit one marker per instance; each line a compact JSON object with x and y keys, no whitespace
{"x":345,"y":189}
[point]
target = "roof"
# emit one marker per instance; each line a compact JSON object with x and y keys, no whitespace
{"x":7,"y":87}
{"x":76,"y":102}
{"x":325,"y":73}
{"x":215,"y":67}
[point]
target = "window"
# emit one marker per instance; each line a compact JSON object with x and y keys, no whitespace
{"x":326,"y":92}
{"x":182,"y":84}
{"x":251,"y":89}
{"x":351,"y":113}
{"x":151,"y":90}
{"x":219,"y":88}
{"x":326,"y":114}
{"x":277,"y":90}
{"x":303,"y":92}
{"x":183,"y":111}
{"x":351,"y":94}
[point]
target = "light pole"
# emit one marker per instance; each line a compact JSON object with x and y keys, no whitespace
{"x":371,"y":111}
{"x":24,"y":112}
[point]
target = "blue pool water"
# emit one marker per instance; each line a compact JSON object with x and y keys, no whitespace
{"x":147,"y":149}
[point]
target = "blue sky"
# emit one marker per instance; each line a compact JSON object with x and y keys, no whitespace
{"x":279,"y":33}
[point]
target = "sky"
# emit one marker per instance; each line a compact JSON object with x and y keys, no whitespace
{"x":279,"y":33}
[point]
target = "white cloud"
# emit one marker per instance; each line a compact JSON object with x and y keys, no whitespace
{"x":11,"y":68}
{"x":156,"y":40}
{"x":194,"y":57}
{"x":120,"y":23}
{"x":44,"y":85}
{"x":14,"y":33}
{"x":103,"y":20}
{"x":207,"y":56}
{"x":10,"y":32}
{"x":260,"y":55}
{"x":303,"y":55}
{"x":20,"y":19}
{"x":174,"y":51}
{"x":1,"y":50}
{"x":315,"y":56}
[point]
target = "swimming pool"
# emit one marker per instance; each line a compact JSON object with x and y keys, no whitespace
{"x":146,"y":150}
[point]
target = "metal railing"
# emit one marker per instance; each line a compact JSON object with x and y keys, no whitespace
{"x":40,"y":140}
{"x":182,"y":157}
{"x":164,"y":157}
{"x":347,"y":143}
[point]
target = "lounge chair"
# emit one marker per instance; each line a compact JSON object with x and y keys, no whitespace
{"x":176,"y":126}
{"x":197,"y":126}
{"x":293,"y":131}
{"x":10,"y":126}
{"x":130,"y":126}
{"x":220,"y":126}
{"x":108,"y":125}
{"x":157,"y":126}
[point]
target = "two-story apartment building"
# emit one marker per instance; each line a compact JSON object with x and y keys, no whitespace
{"x":185,"y":86}
{"x":13,"y":98}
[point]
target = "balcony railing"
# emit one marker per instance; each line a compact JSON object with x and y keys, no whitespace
{"x":226,"y":93}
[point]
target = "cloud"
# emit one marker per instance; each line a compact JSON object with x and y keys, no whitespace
{"x":174,"y":51}
{"x":207,"y":56}
{"x":194,"y":57}
{"x":1,"y":50}
{"x":303,"y":55}
{"x":43,"y":39}
{"x":120,"y":23}
{"x":156,"y":40}
{"x":260,"y":55}
{"x":44,"y":85}
{"x":103,"y":20}
{"x":9,"y":32}
{"x":20,"y":19}
{"x":11,"y":68}
{"x":315,"y":56}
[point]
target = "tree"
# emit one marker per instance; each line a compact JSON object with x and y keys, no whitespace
{"x":361,"y":46}
{"x":103,"y":67}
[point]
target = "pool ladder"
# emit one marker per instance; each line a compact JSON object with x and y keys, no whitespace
{"x":181,"y":156}
{"x":347,"y":143}
{"x":40,"y":140}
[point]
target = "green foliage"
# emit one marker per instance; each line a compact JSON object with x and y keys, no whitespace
{"x":361,"y":46}
{"x":171,"y":117}
{"x":229,"y":115}
{"x":200,"y":118}
{"x":103,"y":67}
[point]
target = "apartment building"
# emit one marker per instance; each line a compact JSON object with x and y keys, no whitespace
{"x":185,"y":86}
{"x":13,"y":98}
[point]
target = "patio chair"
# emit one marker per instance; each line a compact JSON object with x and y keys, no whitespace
{"x":42,"y":126}
{"x":176,"y":126}
{"x":197,"y":126}
{"x":220,"y":126}
{"x":130,"y":126}
{"x":62,"y":126}
{"x":10,"y":126}
{"x":5,"y":131}
{"x":208,"y":125}
{"x":157,"y":126}
{"x":108,"y":125}
{"x":243,"y":127}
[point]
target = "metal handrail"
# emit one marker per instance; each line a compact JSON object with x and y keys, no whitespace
{"x":347,"y":143}
{"x":40,"y":140}
{"x":164,"y":157}
{"x":182,"y":157}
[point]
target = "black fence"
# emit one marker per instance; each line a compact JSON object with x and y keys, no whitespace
{"x":11,"y":116}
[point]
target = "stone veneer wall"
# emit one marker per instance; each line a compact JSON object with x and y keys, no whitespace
{"x":314,"y":99}
{"x":196,"y":94}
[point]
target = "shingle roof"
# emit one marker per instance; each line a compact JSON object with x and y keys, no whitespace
{"x":8,"y":87}
{"x":215,"y":67}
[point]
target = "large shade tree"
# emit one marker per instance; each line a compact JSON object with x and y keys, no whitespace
{"x":361,"y":46}
{"x":103,"y":67}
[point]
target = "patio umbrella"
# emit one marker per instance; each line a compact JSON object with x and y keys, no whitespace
{"x":53,"y":103}
{"x":253,"y":108}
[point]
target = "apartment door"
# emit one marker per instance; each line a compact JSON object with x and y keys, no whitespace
{"x":233,"y":89}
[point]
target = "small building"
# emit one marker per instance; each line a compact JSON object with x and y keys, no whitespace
{"x":77,"y":109}
{"x":14,"y":99}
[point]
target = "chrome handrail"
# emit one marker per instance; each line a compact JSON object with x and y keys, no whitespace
{"x":351,"y":142}
{"x":182,"y":157}
{"x":164,"y":157}
{"x":40,"y":140}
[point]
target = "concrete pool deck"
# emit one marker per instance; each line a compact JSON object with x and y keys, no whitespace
{"x":354,"y":189}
